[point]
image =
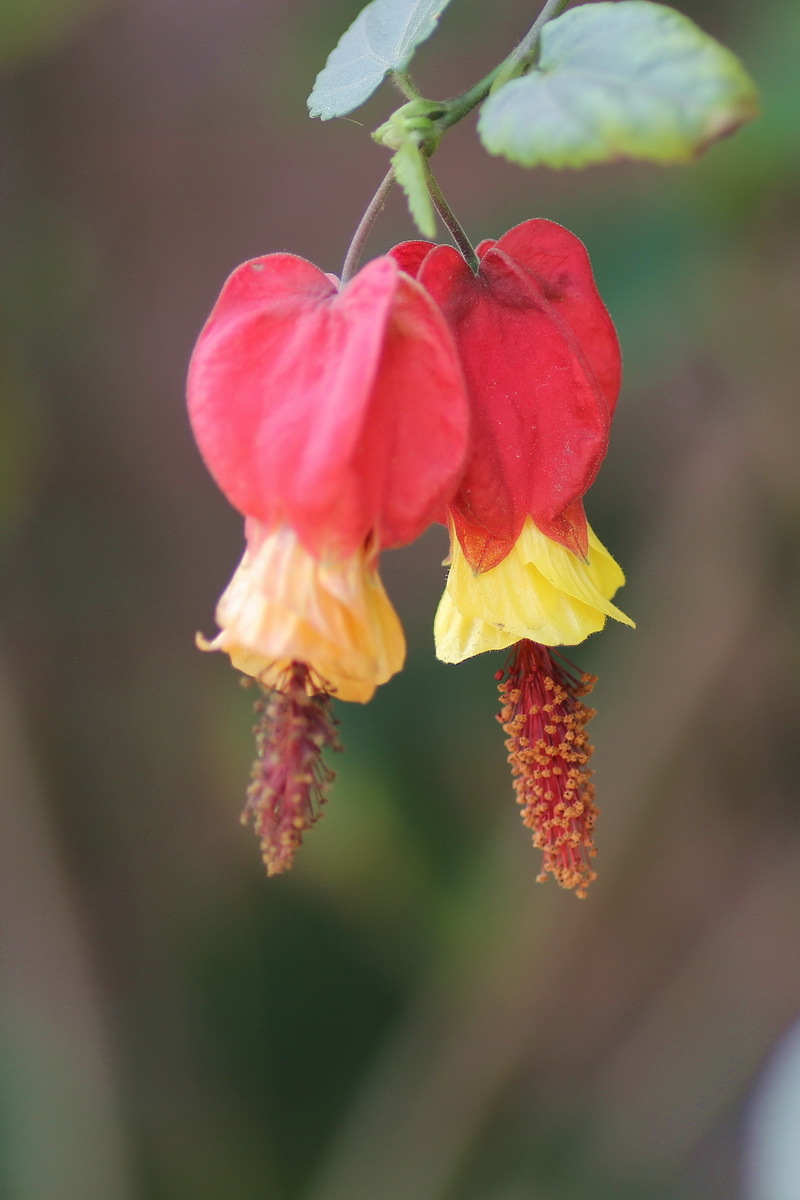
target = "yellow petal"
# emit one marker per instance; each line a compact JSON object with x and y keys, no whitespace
{"x":540,"y":591}
{"x":458,"y":637}
{"x":283,"y":605}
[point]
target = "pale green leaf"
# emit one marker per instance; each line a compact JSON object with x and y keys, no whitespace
{"x":631,"y":79}
{"x":382,"y":38}
{"x":409,"y":168}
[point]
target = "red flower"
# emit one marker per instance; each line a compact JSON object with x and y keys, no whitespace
{"x":336,"y":422}
{"x":542,"y":366}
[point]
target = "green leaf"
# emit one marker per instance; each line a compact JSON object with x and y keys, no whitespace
{"x":409,"y":167}
{"x":382,"y":38}
{"x":630,"y":79}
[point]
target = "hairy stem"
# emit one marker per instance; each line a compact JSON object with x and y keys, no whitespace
{"x":405,"y":84}
{"x":453,"y":111}
{"x":451,"y":221}
{"x":356,"y":247}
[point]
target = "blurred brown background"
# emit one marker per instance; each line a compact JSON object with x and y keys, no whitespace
{"x":407,"y":1016}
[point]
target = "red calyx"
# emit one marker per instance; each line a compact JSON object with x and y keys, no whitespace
{"x":542,"y":366}
{"x":340,"y":413}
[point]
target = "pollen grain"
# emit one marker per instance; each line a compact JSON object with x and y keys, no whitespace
{"x":545,"y":721}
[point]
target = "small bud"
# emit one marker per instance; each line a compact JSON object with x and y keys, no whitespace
{"x":415,"y":121}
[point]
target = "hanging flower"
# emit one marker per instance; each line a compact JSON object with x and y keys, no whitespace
{"x":335,"y":420}
{"x":542,"y":366}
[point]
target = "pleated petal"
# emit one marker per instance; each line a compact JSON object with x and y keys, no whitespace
{"x":540,"y":592}
{"x":284,"y":606}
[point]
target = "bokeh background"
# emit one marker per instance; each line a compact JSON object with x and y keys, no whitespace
{"x":407,"y":1015}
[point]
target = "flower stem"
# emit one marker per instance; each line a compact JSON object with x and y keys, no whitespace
{"x":461,"y":106}
{"x":525,"y":53}
{"x":356,"y":247}
{"x":451,"y":221}
{"x":405,"y":84}
{"x":453,"y":111}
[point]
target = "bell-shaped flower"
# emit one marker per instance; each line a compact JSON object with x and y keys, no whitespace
{"x":542,"y":366}
{"x":335,"y":420}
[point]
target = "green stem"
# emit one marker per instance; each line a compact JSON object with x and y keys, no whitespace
{"x":451,"y":221}
{"x":453,"y":111}
{"x":460,"y":106}
{"x":405,"y":84}
{"x":525,"y":53}
{"x":521,"y":56}
{"x":356,"y":247}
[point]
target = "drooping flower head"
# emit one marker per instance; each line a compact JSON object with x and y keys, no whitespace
{"x":341,"y":422}
{"x":335,"y":420}
{"x":542,"y":366}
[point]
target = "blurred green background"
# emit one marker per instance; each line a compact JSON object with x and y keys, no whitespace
{"x":407,"y":1016}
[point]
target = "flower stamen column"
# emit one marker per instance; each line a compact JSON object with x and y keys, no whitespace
{"x":290,"y":779}
{"x":545,"y":721}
